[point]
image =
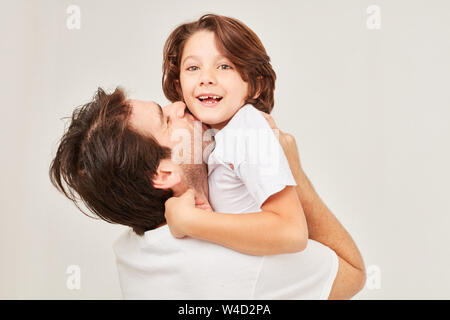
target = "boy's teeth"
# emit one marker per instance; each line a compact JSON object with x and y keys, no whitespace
{"x":210,"y":97}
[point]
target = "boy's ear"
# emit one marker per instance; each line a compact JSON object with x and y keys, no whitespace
{"x":167,"y":175}
{"x":259,"y":88}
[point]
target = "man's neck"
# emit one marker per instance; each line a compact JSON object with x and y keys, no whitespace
{"x":201,"y":194}
{"x":195,"y":177}
{"x":201,"y":200}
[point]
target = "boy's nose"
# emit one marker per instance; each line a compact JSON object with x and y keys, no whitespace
{"x":207,"y":78}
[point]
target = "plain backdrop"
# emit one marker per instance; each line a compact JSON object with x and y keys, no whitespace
{"x":370,"y":109}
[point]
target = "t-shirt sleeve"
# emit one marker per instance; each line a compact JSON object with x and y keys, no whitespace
{"x":264,"y":168}
{"x":306,"y":275}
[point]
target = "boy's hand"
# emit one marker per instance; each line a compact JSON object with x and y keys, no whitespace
{"x":180,"y":212}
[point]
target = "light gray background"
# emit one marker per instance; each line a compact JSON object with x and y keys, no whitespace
{"x":369,"y":109}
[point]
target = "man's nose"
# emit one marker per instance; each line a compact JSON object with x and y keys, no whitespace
{"x":178,"y":109}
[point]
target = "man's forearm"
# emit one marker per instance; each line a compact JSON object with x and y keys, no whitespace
{"x":323,"y":226}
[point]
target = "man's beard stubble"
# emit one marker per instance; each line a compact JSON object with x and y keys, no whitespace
{"x":196,"y":176}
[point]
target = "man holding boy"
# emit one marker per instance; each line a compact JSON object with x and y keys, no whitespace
{"x":116,"y":155}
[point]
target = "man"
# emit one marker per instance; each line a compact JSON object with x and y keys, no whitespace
{"x":116,"y":156}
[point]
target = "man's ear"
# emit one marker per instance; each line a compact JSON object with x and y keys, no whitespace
{"x":167,"y":175}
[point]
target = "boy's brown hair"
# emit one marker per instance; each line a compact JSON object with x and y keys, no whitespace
{"x":239,"y":44}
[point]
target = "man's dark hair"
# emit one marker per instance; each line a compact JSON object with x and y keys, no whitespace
{"x":109,"y":166}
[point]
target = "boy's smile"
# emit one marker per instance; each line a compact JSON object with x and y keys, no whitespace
{"x":212,"y":87}
{"x":209,"y":99}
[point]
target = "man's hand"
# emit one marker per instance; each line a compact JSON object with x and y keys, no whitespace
{"x":180,"y":212}
{"x":289,"y":145}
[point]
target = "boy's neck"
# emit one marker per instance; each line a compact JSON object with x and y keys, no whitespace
{"x":220,"y":126}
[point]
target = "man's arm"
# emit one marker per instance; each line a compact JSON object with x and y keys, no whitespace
{"x":325,"y":228}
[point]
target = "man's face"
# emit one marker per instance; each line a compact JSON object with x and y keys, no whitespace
{"x":150,"y":119}
{"x":171,"y":126}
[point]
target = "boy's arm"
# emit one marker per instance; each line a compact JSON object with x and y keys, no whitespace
{"x":279,"y":228}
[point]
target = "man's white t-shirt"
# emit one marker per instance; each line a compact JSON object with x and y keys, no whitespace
{"x":245,"y":168}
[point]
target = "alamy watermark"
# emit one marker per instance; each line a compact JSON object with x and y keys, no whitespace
{"x":373,"y":21}
{"x":255,"y":146}
{"x":73,"y":281}
{"x":74,"y":17}
{"x":373,"y":281}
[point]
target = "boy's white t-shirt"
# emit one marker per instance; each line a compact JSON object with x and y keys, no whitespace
{"x":159,"y":266}
{"x":247,"y":165}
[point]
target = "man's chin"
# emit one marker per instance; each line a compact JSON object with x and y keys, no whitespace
{"x":195,"y":176}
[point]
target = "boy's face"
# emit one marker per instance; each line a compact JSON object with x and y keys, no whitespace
{"x":212,"y":87}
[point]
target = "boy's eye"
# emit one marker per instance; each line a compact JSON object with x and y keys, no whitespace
{"x":192,"y":68}
{"x":224,"y":67}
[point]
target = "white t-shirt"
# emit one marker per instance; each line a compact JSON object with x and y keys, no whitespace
{"x":247,"y":164}
{"x":159,"y":266}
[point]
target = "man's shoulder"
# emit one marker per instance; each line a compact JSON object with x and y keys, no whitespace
{"x":123,"y":242}
{"x":128,"y":241}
